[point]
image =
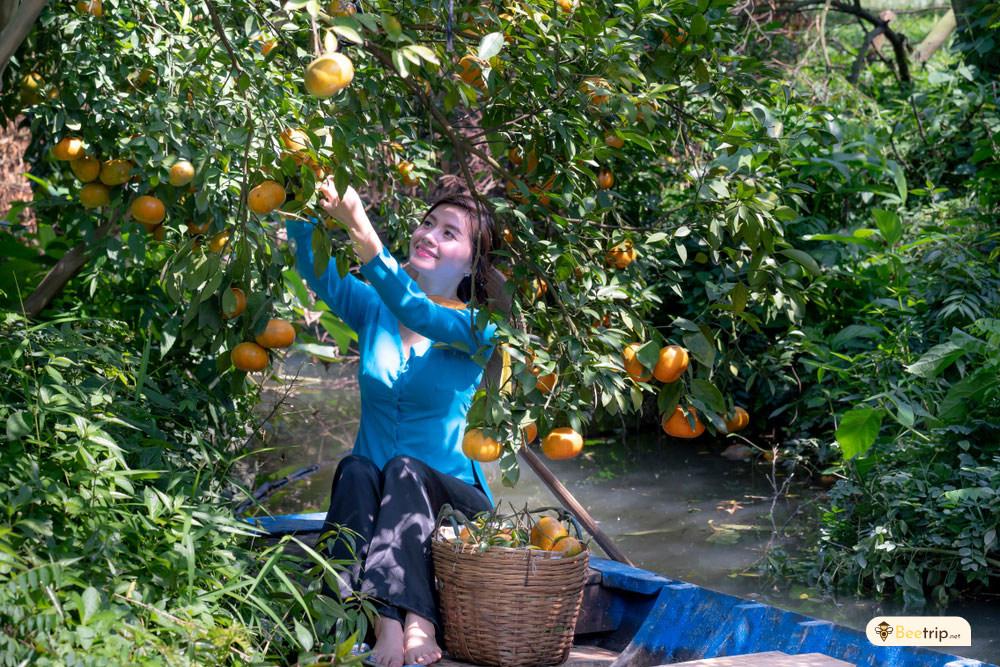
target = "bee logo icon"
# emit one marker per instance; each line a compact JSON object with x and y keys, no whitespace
{"x":883,"y":630}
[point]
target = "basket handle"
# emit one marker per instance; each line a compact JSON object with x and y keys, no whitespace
{"x":452,"y":515}
{"x":564,"y":515}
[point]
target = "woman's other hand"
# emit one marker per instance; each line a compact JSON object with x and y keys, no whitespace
{"x":350,"y":210}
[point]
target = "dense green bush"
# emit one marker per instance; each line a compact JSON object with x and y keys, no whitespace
{"x":117,"y":541}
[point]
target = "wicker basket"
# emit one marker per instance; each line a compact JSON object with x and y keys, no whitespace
{"x":508,"y":607}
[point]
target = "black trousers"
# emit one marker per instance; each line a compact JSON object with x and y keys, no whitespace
{"x":393,"y":512}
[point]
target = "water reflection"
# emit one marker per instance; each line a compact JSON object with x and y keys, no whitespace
{"x":675,"y":507}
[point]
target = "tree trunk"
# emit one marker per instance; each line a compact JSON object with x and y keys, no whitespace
{"x":15,"y":24}
{"x":935,"y":38}
{"x":61,"y":273}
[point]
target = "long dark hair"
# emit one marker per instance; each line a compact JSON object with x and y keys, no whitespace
{"x":484,"y":239}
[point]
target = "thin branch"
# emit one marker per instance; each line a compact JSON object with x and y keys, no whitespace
{"x":859,"y":62}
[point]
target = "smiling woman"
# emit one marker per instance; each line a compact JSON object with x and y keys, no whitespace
{"x":407,"y":459}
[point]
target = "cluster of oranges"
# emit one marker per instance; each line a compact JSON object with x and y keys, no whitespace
{"x":520,"y":532}
{"x":561,"y":443}
{"x":670,"y":366}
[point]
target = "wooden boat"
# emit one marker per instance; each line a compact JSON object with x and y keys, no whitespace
{"x":634,"y":618}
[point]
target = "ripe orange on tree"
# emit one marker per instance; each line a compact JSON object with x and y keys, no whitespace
{"x":93,"y":7}
{"x":606,"y":179}
{"x":737,"y":421}
{"x":672,"y":363}
{"x":86,"y":168}
{"x":530,"y":432}
{"x":149,"y":211}
{"x":545,"y":532}
{"x":342,"y":8}
{"x":278,"y":333}
{"x":220,"y":242}
{"x":471,"y":71}
{"x":241,"y":304}
{"x":267,"y":46}
{"x":674,"y":40}
{"x":565,"y":5}
{"x":405,"y":170}
{"x":159,"y":232}
{"x":515,"y":157}
{"x":249,"y":356}
{"x":621,"y":255}
{"x":68,"y":148}
{"x":328,"y":75}
{"x":195,"y":229}
{"x":632,"y":364}
{"x":181,"y":174}
{"x":545,"y":382}
{"x":677,"y":424}
{"x":479,"y":447}
{"x":266,"y":197}
{"x":613,"y":140}
{"x":93,"y":195}
{"x":115,"y":172}
{"x":592,"y":85}
{"x":562,"y":443}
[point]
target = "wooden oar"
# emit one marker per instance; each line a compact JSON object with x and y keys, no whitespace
{"x":572,"y":505}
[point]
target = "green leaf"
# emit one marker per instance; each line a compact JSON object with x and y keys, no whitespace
{"x":425,"y":53}
{"x":91,"y":603}
{"x":858,"y":430}
{"x":784,"y":213}
{"x":490,"y":45}
{"x":708,"y":394}
{"x":803,"y":258}
{"x":303,"y":636}
{"x":899,"y":176}
{"x":700,"y":348}
{"x":967,"y":391}
{"x":321,"y":252}
{"x":888,"y":225}
{"x":17,"y":425}
{"x":670,"y":397}
{"x":935,"y":360}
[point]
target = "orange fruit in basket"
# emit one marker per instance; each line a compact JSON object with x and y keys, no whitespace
{"x":545,"y":533}
{"x":569,"y":547}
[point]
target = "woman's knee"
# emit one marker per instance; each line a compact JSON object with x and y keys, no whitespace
{"x":356,"y":468}
{"x":403,"y":467}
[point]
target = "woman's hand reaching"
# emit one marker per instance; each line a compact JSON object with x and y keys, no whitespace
{"x":350,"y":211}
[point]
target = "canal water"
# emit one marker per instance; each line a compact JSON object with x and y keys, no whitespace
{"x":677,"y":508}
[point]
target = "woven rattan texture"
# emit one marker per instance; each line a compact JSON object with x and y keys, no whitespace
{"x":508,"y":607}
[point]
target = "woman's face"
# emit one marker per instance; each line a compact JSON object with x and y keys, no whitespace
{"x":442,"y":245}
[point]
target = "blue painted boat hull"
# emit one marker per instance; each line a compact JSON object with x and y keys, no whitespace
{"x":655,"y":620}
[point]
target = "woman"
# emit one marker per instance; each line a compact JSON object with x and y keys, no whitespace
{"x":407,"y":459}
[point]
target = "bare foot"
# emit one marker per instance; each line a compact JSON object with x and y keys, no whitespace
{"x":388,"y":642}
{"x":419,"y":642}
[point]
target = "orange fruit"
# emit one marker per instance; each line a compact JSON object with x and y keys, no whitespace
{"x":328,"y":75}
{"x":592,"y":85}
{"x":532,"y":162}
{"x":546,"y":382}
{"x":115,"y":172}
{"x":405,"y":170}
{"x":249,"y":356}
{"x":241,"y":304}
{"x":613,"y":140}
{"x":181,"y":174}
{"x":562,"y":443}
{"x":675,"y":41}
{"x":569,"y":547}
{"x":479,"y":447}
{"x":342,"y":8}
{"x":737,"y":421}
{"x":68,"y":148}
{"x":195,"y":229}
{"x":295,"y":140}
{"x":267,"y":46}
{"x":530,"y":432}
{"x":149,"y":211}
{"x":650,"y":105}
{"x":220,"y":242}
{"x":466,"y":536}
{"x":159,"y":232}
{"x":266,"y":197}
{"x":508,"y":236}
{"x":93,"y":195}
{"x":515,"y":157}
{"x":86,"y":168}
{"x":93,"y":7}
{"x":278,"y":333}
{"x":621,"y":255}
{"x":677,"y":424}
{"x":565,"y":5}
{"x":545,"y":533}
{"x":606,"y":179}
{"x":632,"y":364}
{"x":471,"y":71}
{"x":672,"y":363}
